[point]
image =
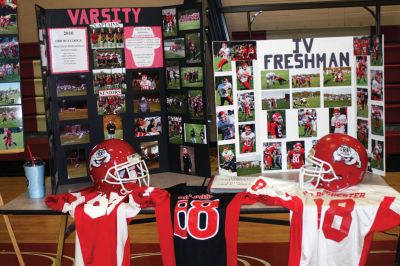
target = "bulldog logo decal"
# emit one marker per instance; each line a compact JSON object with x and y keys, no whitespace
{"x":101,"y":156}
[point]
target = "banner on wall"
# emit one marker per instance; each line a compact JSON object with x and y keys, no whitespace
{"x":275,"y":99}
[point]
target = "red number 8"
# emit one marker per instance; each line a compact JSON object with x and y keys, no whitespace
{"x":342,"y":211}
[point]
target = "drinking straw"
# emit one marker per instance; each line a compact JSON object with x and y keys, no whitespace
{"x":30,"y":154}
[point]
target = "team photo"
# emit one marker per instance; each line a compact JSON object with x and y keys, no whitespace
{"x":189,"y":19}
{"x":272,"y":100}
{"x":195,"y":104}
{"x":112,"y":125}
{"x":226,"y":125}
{"x":337,"y":76}
{"x":272,"y":156}
{"x":10,"y":93}
{"x":245,"y":106}
{"x":192,"y":76}
{"x":274,"y":79}
{"x":147,"y":126}
{"x":71,"y":86}
{"x":9,"y":50}
{"x":107,"y":79}
{"x":307,"y":121}
{"x":337,"y":97}
{"x":195,"y":133}
{"x":106,"y":35}
{"x":74,"y":134}
{"x":175,"y":129}
{"x":306,"y":98}
{"x":110,"y":103}
{"x":174,"y":48}
{"x":108,"y":58}
{"x":76,"y":163}
{"x":276,"y":124}
{"x":71,"y":109}
{"x":144,"y":81}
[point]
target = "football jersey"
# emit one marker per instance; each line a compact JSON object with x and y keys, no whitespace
{"x":101,"y":224}
{"x":331,"y":228}
{"x":198,"y":228}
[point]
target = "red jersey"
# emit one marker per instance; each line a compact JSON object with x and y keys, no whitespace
{"x":296,"y":159}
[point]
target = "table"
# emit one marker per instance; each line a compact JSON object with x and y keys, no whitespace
{"x":22,"y":205}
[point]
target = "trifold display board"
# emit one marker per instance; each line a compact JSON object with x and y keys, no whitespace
{"x":275,"y":99}
{"x":129,"y":73}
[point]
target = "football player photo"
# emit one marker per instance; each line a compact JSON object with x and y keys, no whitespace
{"x":112,"y":126}
{"x":150,"y":154}
{"x":11,"y":116}
{"x":377,"y":161}
{"x":272,"y":100}
{"x":222,"y":56}
{"x":362,"y":102}
{"x":338,"y":120}
{"x":72,"y":109}
{"x":10,"y":93}
{"x":192,"y":46}
{"x":295,"y":154}
{"x":144,"y":81}
{"x":337,"y":76}
{"x":246,"y":106}
{"x":227,"y":159}
{"x":71,"y":86}
{"x":76,"y":163}
{"x":8,"y":23}
{"x":146,"y":103}
{"x":13,"y":139}
{"x":172,"y":75}
{"x":10,"y":71}
{"x":226,"y":125}
{"x":109,"y":103}
{"x":177,"y":103}
{"x":195,"y":133}
{"x":174,"y":48}
{"x":147,"y":126}
{"x":377,"y":120}
{"x":307,"y":121}
{"x":108,"y":79}
{"x":242,"y":51}
{"x":376,"y":51}
{"x":74,"y":134}
{"x":108,"y":58}
{"x":9,"y":50}
{"x":106,"y":35}
{"x":244,"y":75}
{"x":362,"y":132}
{"x":274,"y":79}
{"x":337,"y":97}
{"x":189,"y":19}
{"x":192,"y":76}
{"x":223,"y":91}
{"x":361,"y":46}
{"x":195,"y":104}
{"x":309,"y":98}
{"x":305,"y":80}
{"x":247,"y":138}
{"x":188,"y":160}
{"x":362,"y":70}
{"x":272,"y":156}
{"x":376,"y":85}
{"x":248,"y":164}
{"x":276,"y":125}
{"x":175,"y":129}
{"x":170,"y":26}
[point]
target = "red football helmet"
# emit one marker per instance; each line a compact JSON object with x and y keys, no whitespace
{"x":337,"y":161}
{"x":114,"y":166}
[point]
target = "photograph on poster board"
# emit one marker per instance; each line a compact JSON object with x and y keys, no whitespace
{"x":377,"y":120}
{"x":192,"y":76}
{"x":147,"y":126}
{"x":377,"y":154}
{"x":337,"y":76}
{"x":276,"y":125}
{"x":362,"y":70}
{"x":13,"y":139}
{"x":143,"y":81}
{"x":188,"y":160}
{"x":244,"y":51}
{"x":175,"y":129}
{"x":150,"y":154}
{"x":307,"y":121}
{"x":309,"y":98}
{"x":221,"y":57}
{"x":71,"y":109}
{"x":363,"y":132}
{"x":272,"y":100}
{"x":176,"y":103}
{"x":74,"y":134}
{"x":295,"y":154}
{"x":376,"y":51}
{"x":338,"y":120}
{"x":174,"y":48}
{"x":361,"y":45}
{"x":108,"y":58}
{"x":8,"y":5}
{"x":195,"y":104}
{"x":146,"y":103}
{"x":11,"y":116}
{"x":9,"y":49}
{"x":247,"y":134}
{"x":112,"y":127}
{"x":71,"y":86}
{"x":272,"y":156}
{"x":274,"y":79}
{"x":193,"y":48}
{"x":106,"y":79}
{"x":226,"y":125}
{"x":362,"y":102}
{"x":10,"y":93}
{"x":76,"y":163}
{"x":244,"y":72}
{"x":10,"y":71}
{"x":106,"y":35}
{"x":337,"y":97}
{"x":246,"y":107}
{"x":172,"y":75}
{"x":43,"y":56}
{"x":376,"y":85}
{"x":308,"y":79}
{"x":223,"y":90}
{"x":8,"y":23}
{"x":189,"y":19}
{"x":110,"y":102}
{"x":227,"y":159}
{"x":195,"y":133}
{"x":170,"y":28}
{"x":248,"y":164}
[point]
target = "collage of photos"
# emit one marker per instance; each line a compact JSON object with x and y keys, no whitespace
{"x":11,"y":124}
